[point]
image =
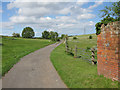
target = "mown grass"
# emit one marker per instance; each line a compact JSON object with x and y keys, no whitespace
{"x":75,"y":72}
{"x":14,"y":49}
{"x":83,"y":42}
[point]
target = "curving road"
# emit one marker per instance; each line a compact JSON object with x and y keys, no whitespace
{"x":34,"y":71}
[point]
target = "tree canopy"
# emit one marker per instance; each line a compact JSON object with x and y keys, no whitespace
{"x":112,"y":11}
{"x":45,"y":34}
{"x":16,"y":35}
{"x":28,"y":32}
{"x":50,"y":35}
{"x":109,"y":14}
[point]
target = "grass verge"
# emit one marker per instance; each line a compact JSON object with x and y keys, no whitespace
{"x":76,"y":73}
{"x":14,"y":49}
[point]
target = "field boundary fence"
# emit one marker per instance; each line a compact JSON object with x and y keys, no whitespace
{"x":85,"y":54}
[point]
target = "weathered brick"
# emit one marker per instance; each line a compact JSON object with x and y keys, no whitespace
{"x":108,"y":43}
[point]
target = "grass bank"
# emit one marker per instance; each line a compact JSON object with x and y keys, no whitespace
{"x":14,"y":49}
{"x":77,"y":73}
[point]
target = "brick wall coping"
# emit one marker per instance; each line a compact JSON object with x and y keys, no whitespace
{"x":114,"y":24}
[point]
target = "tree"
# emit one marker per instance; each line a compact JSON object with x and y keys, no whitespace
{"x":110,"y":14}
{"x":105,"y":21}
{"x":28,"y":32}
{"x":45,"y":35}
{"x":62,"y":36}
{"x":112,"y":11}
{"x":56,"y":36}
{"x":52,"y":36}
{"x":16,"y":35}
{"x":65,"y":36}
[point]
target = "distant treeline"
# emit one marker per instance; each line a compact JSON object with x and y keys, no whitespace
{"x":28,"y":32}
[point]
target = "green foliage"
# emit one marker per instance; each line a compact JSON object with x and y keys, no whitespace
{"x":56,"y":36}
{"x":58,"y":39}
{"x":13,"y":50}
{"x":108,"y":13}
{"x":45,"y":35}
{"x":28,"y":32}
{"x":90,"y":37}
{"x":50,"y":35}
{"x":105,"y":21}
{"x":98,"y":28}
{"x":75,"y":72}
{"x":74,"y":37}
{"x":37,"y":38}
{"x":16,"y":35}
{"x":87,"y":49}
{"x":66,"y":36}
{"x":113,"y":11}
{"x":62,"y":36}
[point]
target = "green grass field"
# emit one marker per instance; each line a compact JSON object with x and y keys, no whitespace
{"x":84,"y":42}
{"x":77,"y":73}
{"x":13,"y":50}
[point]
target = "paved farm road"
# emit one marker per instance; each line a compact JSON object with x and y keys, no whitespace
{"x":34,"y":71}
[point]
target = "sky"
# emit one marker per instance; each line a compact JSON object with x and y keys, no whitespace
{"x":72,"y":18}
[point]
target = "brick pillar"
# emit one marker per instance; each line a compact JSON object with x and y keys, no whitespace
{"x":108,"y":55}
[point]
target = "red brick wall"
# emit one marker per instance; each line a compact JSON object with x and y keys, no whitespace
{"x":108,"y":55}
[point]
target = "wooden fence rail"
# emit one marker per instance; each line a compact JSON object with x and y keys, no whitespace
{"x":78,"y":52}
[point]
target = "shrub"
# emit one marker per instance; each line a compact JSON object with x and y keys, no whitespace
{"x":90,"y":37}
{"x":87,"y":49}
{"x":74,"y":37}
{"x":37,"y":38}
{"x":16,"y":35}
{"x":62,"y":36}
{"x":58,"y":39}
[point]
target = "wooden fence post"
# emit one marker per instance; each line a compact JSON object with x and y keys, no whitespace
{"x":75,"y":54}
{"x":93,"y":56}
{"x":66,"y":45}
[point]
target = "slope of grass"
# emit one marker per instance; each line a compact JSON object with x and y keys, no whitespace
{"x":14,"y":49}
{"x":83,"y":41}
{"x":75,"y":72}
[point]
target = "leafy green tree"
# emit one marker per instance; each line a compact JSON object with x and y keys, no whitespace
{"x":56,"y":36}
{"x":16,"y":35}
{"x":112,"y":11}
{"x":62,"y":36}
{"x":66,"y":36}
{"x":105,"y":21}
{"x":28,"y":32}
{"x":45,"y":35}
{"x":110,"y":14}
{"x":52,"y":36}
{"x":98,"y":28}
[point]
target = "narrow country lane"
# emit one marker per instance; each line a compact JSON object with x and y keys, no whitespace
{"x":34,"y":71}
